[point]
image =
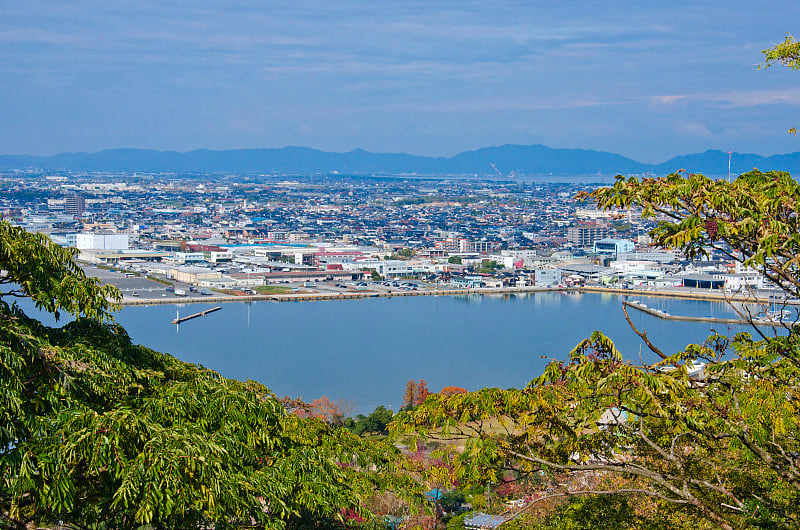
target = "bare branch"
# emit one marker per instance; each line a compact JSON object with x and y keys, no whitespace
{"x":642,"y":334}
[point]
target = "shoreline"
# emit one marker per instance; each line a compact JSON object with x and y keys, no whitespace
{"x":312,"y":297}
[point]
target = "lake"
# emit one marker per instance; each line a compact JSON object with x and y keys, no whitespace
{"x":363,"y":351}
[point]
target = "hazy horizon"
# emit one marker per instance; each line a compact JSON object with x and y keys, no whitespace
{"x":448,"y":155}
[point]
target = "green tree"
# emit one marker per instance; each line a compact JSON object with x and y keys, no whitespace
{"x":452,"y":500}
{"x":454,"y":259}
{"x":593,"y":512}
{"x":622,"y":226}
{"x":101,"y":433}
{"x":786,"y":53}
{"x":379,"y":419}
{"x":35,"y":267}
{"x":720,"y":447}
{"x":489,"y":266}
{"x":377,"y":422}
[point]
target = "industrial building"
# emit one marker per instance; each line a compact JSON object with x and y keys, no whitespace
{"x":93,"y":241}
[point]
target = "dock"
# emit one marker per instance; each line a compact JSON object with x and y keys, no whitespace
{"x":200,"y":314}
{"x":764,"y":321}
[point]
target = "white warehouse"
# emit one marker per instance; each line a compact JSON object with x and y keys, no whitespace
{"x":89,"y":241}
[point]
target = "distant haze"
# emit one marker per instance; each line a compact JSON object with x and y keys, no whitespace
{"x":495,"y":162}
{"x":648,"y":80}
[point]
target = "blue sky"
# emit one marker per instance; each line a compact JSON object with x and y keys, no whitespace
{"x":424,"y":77}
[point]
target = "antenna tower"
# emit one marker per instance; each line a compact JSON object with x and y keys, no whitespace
{"x":730,"y":154}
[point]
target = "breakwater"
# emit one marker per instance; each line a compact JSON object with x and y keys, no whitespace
{"x":760,"y":321}
{"x":305,"y":297}
{"x":693,"y":294}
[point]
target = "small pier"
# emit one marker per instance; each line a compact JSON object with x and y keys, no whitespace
{"x":200,"y":314}
{"x":763,"y":321}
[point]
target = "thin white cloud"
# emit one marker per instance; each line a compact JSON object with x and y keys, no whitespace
{"x":753,"y":98}
{"x":695,"y":129}
{"x":667,"y":100}
{"x":734,"y":99}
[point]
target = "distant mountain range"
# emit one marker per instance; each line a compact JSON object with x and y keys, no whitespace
{"x":519,"y":159}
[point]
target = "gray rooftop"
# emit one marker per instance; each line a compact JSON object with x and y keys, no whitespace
{"x":484,"y":520}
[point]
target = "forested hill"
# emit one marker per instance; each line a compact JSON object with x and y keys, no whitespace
{"x":508,"y":159}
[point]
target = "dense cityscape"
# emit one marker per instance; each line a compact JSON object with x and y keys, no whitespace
{"x":279,"y":234}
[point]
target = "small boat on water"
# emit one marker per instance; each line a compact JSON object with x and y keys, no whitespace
{"x":779,"y":315}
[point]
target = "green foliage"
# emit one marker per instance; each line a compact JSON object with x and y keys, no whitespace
{"x":101,"y":433}
{"x":97,"y":430}
{"x":786,"y":53}
{"x":413,"y":201}
{"x":489,"y":267}
{"x":457,"y":522}
{"x":377,"y":422}
{"x":719,"y":449}
{"x":454,"y":259}
{"x":451,"y":500}
{"x":406,"y":253}
{"x":272,"y":289}
{"x":593,"y":512}
{"x":753,"y":219}
{"x":37,"y":268}
{"x":622,"y":226}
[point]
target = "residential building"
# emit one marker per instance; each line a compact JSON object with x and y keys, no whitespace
{"x":585,"y":234}
{"x":74,"y":204}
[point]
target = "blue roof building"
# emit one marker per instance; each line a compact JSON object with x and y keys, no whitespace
{"x":613,"y":247}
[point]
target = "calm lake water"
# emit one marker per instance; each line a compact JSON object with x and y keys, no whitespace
{"x":365,"y":350}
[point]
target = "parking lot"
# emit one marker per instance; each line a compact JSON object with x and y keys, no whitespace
{"x":136,"y":287}
{"x":373,"y":286}
{"x":139,"y":288}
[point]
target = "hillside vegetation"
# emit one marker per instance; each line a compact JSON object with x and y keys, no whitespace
{"x":100,"y":433}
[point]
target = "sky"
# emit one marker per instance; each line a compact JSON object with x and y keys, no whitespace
{"x":648,"y":80}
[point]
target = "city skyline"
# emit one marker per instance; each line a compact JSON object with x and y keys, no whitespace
{"x":433,"y":78}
